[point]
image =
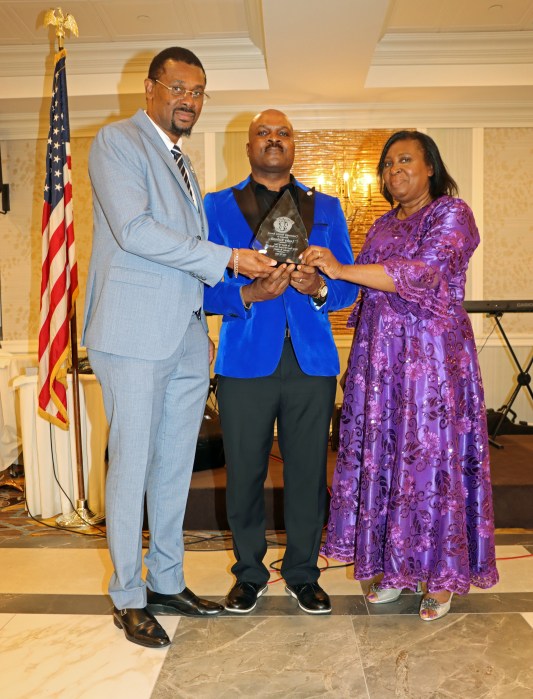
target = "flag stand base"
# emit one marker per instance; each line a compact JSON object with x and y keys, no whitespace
{"x":80,"y":518}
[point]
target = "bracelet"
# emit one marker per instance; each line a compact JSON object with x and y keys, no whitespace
{"x":235,"y":263}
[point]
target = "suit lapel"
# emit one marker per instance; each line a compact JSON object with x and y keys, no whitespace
{"x":144,"y":124}
{"x":247,"y":203}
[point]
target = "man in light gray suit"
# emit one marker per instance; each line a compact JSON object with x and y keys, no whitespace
{"x":146,"y":336}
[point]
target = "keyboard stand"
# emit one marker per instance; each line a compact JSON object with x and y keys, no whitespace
{"x":522,"y":380}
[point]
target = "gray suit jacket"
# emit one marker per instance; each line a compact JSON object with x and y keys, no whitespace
{"x":150,"y":257}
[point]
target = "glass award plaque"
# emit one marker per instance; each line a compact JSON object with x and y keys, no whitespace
{"x":282,"y":235}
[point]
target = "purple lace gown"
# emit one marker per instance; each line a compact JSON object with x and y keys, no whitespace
{"x":411,"y":490}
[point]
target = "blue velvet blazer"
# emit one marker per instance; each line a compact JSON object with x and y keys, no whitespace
{"x":251,"y":342}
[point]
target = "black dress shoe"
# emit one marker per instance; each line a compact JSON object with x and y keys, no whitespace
{"x":311,"y":597}
{"x":141,"y":627}
{"x":185,"y":602}
{"x":243,"y":596}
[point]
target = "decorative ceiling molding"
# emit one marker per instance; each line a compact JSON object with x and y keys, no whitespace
{"x":254,"y":18}
{"x":127,"y":57}
{"x":428,"y":77}
{"x":454,"y":48}
{"x":340,"y":116}
{"x":450,"y":75}
{"x":468,"y":59}
{"x":97,"y":71}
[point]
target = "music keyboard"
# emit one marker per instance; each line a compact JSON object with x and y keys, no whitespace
{"x":523,"y":306}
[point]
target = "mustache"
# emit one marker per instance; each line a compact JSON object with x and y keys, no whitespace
{"x":274,"y":145}
{"x":185,"y":108}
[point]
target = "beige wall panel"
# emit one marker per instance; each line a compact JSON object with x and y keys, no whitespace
{"x":508,"y":250}
{"x":232,"y":164}
{"x":20,"y":233}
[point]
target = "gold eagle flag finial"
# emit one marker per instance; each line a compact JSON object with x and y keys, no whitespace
{"x":61,"y":22}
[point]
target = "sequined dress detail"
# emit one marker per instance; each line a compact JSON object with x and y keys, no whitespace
{"x":411,"y":489}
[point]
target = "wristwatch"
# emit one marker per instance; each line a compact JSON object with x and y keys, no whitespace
{"x":247,"y":306}
{"x":321,"y":294}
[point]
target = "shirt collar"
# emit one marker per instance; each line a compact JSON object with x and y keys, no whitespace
{"x":169,"y":143}
{"x":257,"y":186}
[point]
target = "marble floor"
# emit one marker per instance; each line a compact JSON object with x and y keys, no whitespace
{"x":57,"y":640}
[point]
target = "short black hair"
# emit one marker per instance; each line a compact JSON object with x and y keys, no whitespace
{"x":174,"y":53}
{"x":440,"y":182}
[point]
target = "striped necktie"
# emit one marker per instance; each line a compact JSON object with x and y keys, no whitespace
{"x":178,"y":157}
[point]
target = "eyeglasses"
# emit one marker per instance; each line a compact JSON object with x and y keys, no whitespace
{"x":180,"y":91}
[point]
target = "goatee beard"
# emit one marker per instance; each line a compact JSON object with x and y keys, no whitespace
{"x":177,"y":131}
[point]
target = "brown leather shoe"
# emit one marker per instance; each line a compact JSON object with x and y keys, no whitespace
{"x":186,"y":603}
{"x":141,"y":627}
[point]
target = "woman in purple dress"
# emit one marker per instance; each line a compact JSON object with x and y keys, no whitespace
{"x":412,"y":501}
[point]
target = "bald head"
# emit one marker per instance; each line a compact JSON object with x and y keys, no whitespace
{"x":270,"y":148}
{"x":269,"y":116}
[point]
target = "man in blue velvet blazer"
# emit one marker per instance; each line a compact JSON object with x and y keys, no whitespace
{"x":277,"y":362}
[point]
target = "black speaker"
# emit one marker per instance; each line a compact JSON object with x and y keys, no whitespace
{"x":4,"y":191}
{"x":5,"y":199}
{"x":210,"y":447}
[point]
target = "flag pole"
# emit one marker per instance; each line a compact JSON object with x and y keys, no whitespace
{"x":81,"y":517}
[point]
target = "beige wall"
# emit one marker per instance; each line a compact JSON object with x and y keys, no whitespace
{"x":508,"y":239}
{"x":490,"y":165}
{"x":20,"y":232}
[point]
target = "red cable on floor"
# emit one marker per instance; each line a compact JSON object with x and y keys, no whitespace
{"x":506,"y":558}
{"x":275,"y":570}
{"x":326,"y":561}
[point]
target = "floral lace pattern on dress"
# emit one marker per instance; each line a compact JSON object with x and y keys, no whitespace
{"x":411,"y":491}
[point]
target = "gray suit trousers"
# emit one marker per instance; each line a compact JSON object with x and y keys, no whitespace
{"x":154,"y":410}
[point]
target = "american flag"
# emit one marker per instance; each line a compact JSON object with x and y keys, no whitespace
{"x":59,"y":282}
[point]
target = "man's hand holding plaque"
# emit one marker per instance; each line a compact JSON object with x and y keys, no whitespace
{"x":282,"y":235}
